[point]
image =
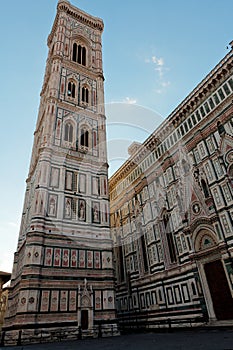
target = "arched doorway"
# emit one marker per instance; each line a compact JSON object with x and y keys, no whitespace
{"x":219,"y":290}
{"x":85,"y":307}
{"x":84,"y":319}
{"x":215,"y":284}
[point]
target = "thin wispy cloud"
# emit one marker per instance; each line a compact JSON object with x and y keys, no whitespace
{"x":130,"y":101}
{"x":165,"y":83}
{"x":159,"y":64}
{"x":160,"y":68}
{"x":162,"y":87}
{"x":158,"y":61}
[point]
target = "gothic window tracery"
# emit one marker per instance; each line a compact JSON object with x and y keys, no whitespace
{"x":144,"y":251}
{"x":169,"y":237}
{"x":71,"y":89}
{"x":85,"y":94}
{"x":68,"y":132}
{"x":79,"y":54}
{"x":84,"y":137}
{"x":82,"y":210}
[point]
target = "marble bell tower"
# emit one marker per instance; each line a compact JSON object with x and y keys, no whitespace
{"x":63,"y":268}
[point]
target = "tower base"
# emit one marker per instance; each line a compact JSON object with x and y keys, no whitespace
{"x":49,"y":335}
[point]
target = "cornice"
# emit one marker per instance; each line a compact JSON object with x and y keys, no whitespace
{"x":89,"y":72}
{"x":217,"y":75}
{"x":81,"y":16}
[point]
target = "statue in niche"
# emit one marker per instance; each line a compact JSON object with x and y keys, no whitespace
{"x":85,"y":283}
{"x":196,"y":175}
{"x":52,"y":206}
{"x":201,"y":180}
{"x":82,"y":210}
{"x":185,"y":166}
{"x":95,"y":214}
{"x":68,"y":208}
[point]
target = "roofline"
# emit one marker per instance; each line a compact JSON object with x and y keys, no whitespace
{"x":179,"y":112}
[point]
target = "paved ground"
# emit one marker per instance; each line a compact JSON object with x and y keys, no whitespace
{"x":187,"y":340}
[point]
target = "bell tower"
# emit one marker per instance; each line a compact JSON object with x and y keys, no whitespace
{"x":62,"y":276}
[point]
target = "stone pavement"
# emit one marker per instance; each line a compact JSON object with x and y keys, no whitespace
{"x":182,"y":340}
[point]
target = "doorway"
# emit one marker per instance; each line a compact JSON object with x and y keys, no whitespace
{"x":84,"y":319}
{"x":219,"y":290}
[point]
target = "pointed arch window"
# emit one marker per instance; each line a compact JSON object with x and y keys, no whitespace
{"x":144,"y":252}
{"x":84,"y":140}
{"x":83,"y":56}
{"x":74,"y":57}
{"x":169,"y":236}
{"x":85,"y":94}
{"x":68,"y":132}
{"x":120,"y":254}
{"x":205,"y":188}
{"x":79,"y":54}
{"x":71,"y":89}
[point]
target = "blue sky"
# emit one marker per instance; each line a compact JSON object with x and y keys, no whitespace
{"x":155,"y":52}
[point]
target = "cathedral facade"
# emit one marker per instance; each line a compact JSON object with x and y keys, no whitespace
{"x":62,"y":280}
{"x":171,"y":213}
